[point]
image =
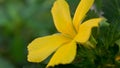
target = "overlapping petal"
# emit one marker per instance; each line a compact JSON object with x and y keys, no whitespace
{"x":62,"y":18}
{"x":81,"y":11}
{"x":40,"y":48}
{"x":64,"y":55}
{"x":85,"y":30}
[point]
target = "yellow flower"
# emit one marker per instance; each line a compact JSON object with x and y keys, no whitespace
{"x":63,"y":45}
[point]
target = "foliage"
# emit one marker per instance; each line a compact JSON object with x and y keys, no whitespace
{"x":23,"y":20}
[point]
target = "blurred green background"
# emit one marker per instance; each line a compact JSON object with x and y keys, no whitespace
{"x":21,"y":21}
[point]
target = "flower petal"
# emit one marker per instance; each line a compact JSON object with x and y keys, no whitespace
{"x":81,"y":11}
{"x":85,"y":30}
{"x":62,"y":19}
{"x":64,"y":55}
{"x":40,"y":48}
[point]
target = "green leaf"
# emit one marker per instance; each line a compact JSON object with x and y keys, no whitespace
{"x":118,"y":43}
{"x":98,"y":4}
{"x":91,"y":14}
{"x":111,"y":9}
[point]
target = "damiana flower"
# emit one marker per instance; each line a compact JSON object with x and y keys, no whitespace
{"x":63,"y":44}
